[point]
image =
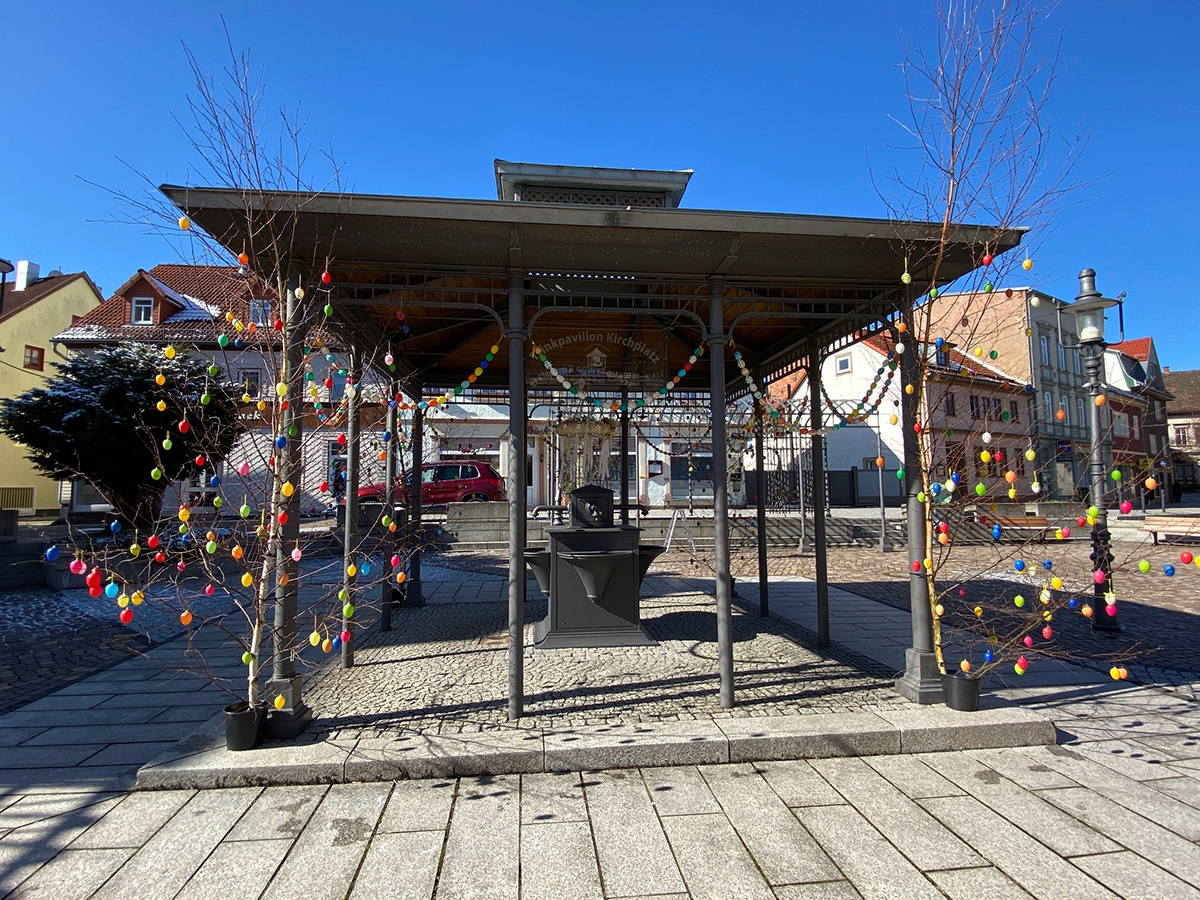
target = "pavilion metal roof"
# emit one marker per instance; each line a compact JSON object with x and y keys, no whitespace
{"x":789,"y":278}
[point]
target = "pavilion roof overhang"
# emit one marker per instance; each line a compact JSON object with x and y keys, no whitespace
{"x":843,"y":273}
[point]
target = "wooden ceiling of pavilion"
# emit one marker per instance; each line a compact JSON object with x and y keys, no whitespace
{"x":615,"y":297}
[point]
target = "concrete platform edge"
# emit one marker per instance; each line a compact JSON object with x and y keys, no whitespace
{"x":200,"y":759}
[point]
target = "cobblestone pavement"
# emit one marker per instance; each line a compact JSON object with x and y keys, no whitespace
{"x":1116,"y":814}
{"x":1159,"y":615}
{"x":444,"y":670}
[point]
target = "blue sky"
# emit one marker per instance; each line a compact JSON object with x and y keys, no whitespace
{"x":775,"y":106}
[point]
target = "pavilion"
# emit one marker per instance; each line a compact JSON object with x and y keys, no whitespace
{"x":597,"y":275}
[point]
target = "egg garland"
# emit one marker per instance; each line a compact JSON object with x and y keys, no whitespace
{"x":616,"y":406}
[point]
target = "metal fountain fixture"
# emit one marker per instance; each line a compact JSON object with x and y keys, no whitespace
{"x":592,"y":572}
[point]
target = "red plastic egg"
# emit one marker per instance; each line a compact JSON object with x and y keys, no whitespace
{"x":326,"y":278}
{"x":126,"y":615}
{"x":184,"y":427}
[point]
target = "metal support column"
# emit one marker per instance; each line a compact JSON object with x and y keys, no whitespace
{"x":350,"y":532}
{"x":818,"y":497}
{"x":624,"y":456}
{"x":717,"y":340}
{"x":517,"y":413}
{"x":285,"y":682}
{"x":389,"y":594}
{"x":760,"y":490}
{"x":416,"y":537}
{"x":921,"y":681}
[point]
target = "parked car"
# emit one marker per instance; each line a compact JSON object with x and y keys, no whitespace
{"x":445,"y":482}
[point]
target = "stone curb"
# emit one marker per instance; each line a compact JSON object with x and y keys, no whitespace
{"x":200,"y":760}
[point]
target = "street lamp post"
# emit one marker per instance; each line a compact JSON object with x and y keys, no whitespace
{"x":1088,"y":312}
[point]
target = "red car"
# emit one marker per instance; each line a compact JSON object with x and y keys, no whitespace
{"x":446,"y":482}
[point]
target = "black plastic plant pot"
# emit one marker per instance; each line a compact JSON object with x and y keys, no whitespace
{"x":243,"y":726}
{"x":961,"y":692}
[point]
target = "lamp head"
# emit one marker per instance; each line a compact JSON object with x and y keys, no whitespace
{"x":1088,"y":309}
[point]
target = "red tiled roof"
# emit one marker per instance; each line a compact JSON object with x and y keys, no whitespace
{"x":1138,"y":348}
{"x":15,"y":301}
{"x":221,"y":288}
{"x":962,"y":365}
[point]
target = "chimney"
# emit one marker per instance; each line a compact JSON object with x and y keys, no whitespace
{"x":27,"y":274}
{"x":1166,"y":370}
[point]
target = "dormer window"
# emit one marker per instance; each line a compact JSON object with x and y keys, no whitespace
{"x":141,"y":311}
{"x":260,"y":311}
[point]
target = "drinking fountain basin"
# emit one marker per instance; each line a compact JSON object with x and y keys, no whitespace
{"x":539,"y":560}
{"x":647,"y":554}
{"x":595,"y":568}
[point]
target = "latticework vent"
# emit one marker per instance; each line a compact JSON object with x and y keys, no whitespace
{"x":591,"y":198}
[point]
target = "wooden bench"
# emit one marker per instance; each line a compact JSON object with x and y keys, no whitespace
{"x":1183,"y":526}
{"x":1040,"y":524}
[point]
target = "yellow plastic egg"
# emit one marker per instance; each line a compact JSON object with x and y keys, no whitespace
{"x":247,"y":579}
{"x":161,"y":405}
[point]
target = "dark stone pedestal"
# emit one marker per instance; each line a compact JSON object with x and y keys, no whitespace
{"x":921,"y":681}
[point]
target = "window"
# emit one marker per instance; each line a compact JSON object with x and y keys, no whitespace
{"x":250,"y":379}
{"x":1078,"y":362}
{"x":1065,"y":406}
{"x":260,"y":311}
{"x":35,"y":358}
{"x":949,"y":404}
{"x":469,"y":472}
{"x":1014,"y":410}
{"x":977,"y":406}
{"x":997,"y":406}
{"x":868,"y":462}
{"x":1045,"y":342}
{"x":1082,"y":419}
{"x":941,"y":358}
{"x":1153,"y":445}
{"x":1135,"y":421}
{"x":1048,"y":405}
{"x":1121,"y":424}
{"x":1182,"y":437}
{"x":1062,"y":358}
{"x":448,"y":473}
{"x":1019,"y":464}
{"x":141,"y":311}
{"x":842,"y":364}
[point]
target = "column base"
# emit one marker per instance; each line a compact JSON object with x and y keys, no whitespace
{"x":411,"y":596}
{"x":295,"y":716}
{"x":922,"y":680}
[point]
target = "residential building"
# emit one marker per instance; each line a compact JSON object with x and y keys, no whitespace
{"x":971,"y":407}
{"x":1141,"y":374}
{"x":32,"y":311}
{"x":1183,"y":421}
{"x":1016,"y":331}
